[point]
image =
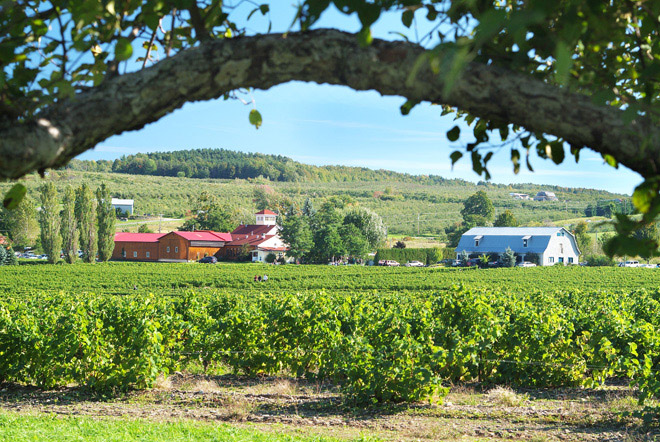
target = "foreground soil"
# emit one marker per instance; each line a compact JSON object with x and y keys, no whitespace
{"x":469,"y":413}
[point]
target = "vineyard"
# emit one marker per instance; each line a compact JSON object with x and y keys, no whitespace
{"x":381,"y":334}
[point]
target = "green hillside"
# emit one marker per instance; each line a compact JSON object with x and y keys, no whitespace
{"x":407,"y":207}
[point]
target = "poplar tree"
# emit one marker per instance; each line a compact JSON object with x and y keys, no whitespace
{"x":86,"y":217}
{"x":49,"y":221}
{"x":69,"y":227}
{"x":106,"y":216}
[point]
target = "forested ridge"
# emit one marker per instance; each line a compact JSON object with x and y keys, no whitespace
{"x":229,"y":164}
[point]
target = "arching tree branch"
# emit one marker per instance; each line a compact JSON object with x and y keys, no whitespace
{"x":130,"y":101}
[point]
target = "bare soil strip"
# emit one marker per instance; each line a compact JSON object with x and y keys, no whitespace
{"x":281,"y":404}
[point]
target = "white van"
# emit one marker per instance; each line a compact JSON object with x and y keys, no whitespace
{"x":629,"y":264}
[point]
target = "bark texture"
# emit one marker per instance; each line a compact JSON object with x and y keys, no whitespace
{"x":131,"y":101}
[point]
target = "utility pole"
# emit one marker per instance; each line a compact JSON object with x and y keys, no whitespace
{"x":160,"y":220}
{"x":418,"y":224}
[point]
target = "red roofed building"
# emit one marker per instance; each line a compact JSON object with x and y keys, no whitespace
{"x":258,"y":239}
{"x":173,"y":246}
{"x":136,"y":246}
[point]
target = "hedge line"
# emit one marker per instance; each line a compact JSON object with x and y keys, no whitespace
{"x":427,"y":256}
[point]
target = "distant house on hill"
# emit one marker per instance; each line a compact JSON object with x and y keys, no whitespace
{"x":519,"y":196}
{"x":551,"y":244}
{"x":125,"y":206}
{"x":546,"y":196}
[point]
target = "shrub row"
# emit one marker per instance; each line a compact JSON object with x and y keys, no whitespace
{"x":428,"y":255}
{"x":379,"y":348}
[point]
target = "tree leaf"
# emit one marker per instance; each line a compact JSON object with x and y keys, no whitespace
{"x":407,"y":17}
{"x":609,"y":159}
{"x":557,"y":152}
{"x":407,"y":106}
{"x":14,"y":196}
{"x":364,"y":37}
{"x":455,"y":156}
{"x":255,"y":118}
{"x":563,"y":62}
{"x":515,"y":159}
{"x":123,"y":49}
{"x":454,"y":133}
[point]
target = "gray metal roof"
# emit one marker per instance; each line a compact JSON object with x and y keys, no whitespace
{"x":497,"y":239}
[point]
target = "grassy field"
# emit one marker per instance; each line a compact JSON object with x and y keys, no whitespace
{"x":44,"y":427}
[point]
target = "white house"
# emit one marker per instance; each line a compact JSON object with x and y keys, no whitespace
{"x":551,"y":244}
{"x":546,"y":196}
{"x":126,"y":206}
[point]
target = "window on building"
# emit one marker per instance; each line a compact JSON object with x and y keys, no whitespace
{"x":551,"y":259}
{"x":561,"y":248}
{"x":561,"y":259}
{"x":168,"y":249}
{"x":476,"y":243}
{"x":176,"y":250}
{"x":147,"y":255}
{"x":134,"y":254}
{"x":570,"y":260}
{"x":524,"y":243}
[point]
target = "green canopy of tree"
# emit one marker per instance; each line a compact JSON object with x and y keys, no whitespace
{"x":49,"y":222}
{"x":477,"y":210}
{"x":506,"y":219}
{"x":552,"y":77}
{"x":211,"y":215}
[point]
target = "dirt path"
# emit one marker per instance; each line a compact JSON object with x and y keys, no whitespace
{"x":276,"y":404}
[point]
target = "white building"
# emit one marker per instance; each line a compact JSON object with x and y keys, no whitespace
{"x":125,"y":206}
{"x":551,"y":244}
{"x":546,"y":196}
{"x":519,"y":196}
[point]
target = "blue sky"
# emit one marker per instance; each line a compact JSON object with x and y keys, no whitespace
{"x":321,"y":124}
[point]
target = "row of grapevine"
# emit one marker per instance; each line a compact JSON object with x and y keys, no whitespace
{"x":172,"y":279}
{"x":378,"y":347}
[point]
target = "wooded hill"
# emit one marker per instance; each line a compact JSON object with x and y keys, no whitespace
{"x":228,"y":164}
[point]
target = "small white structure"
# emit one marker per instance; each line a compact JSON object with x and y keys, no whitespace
{"x":125,"y":206}
{"x":266,"y":218}
{"x":546,"y":196}
{"x":552,"y":244}
{"x":519,"y":196}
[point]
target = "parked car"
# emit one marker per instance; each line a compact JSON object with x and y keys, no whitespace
{"x":208,"y":260}
{"x":415,"y":264}
{"x":630,"y":263}
{"x":525,"y":264}
{"x":391,"y":263}
{"x":44,"y":257}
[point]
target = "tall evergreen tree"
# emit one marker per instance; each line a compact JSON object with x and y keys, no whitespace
{"x":49,"y":221}
{"x":106,"y":220}
{"x":69,"y":227}
{"x":86,"y":217}
{"x":10,"y":258}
